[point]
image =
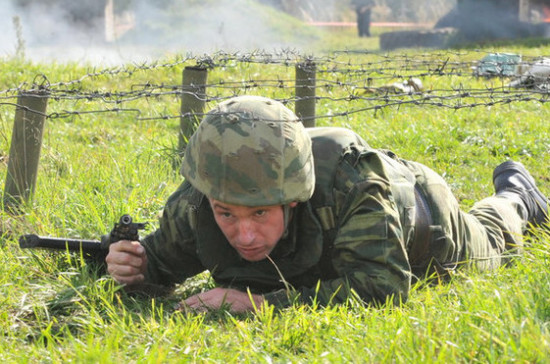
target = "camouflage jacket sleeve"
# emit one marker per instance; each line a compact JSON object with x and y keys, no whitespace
{"x":369,"y":255}
{"x":171,"y":251}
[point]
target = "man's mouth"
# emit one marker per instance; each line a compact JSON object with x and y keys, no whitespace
{"x":250,"y":252}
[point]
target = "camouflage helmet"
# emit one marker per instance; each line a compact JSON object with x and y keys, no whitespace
{"x":251,"y":151}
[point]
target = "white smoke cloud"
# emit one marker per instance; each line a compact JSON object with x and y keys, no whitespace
{"x":52,"y":35}
{"x":8,"y":40}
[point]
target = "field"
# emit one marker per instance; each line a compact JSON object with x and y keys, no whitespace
{"x":110,"y":148}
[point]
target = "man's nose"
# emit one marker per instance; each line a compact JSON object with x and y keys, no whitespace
{"x":246,"y":232}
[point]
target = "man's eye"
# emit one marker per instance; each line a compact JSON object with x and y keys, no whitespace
{"x":261,"y":212}
{"x":224,"y":214}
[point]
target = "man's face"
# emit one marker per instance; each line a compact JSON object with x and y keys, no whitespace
{"x":252,"y":231}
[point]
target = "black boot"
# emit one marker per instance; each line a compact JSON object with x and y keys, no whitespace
{"x":512,"y":180}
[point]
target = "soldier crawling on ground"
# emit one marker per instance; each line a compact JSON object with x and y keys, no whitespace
{"x":279,"y":213}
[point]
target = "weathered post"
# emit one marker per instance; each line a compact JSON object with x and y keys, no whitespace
{"x":305,"y":93}
{"x":26,"y":143}
{"x":192,"y":102}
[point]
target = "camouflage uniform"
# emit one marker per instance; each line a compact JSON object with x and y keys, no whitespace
{"x":362,"y":229}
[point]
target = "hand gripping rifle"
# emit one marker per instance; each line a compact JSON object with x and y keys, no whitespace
{"x":94,"y":251}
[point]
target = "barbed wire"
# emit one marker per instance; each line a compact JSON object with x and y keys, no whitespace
{"x":362,"y":80}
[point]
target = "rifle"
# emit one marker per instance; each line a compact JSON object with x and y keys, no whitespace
{"x":94,"y":251}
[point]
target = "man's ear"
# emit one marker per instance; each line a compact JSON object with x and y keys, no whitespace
{"x":293,"y":204}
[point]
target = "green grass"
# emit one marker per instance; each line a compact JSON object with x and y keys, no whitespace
{"x":96,"y":166}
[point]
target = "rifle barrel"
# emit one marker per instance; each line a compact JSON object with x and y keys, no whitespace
{"x":35,"y":241}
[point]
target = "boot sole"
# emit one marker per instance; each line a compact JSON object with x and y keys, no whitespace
{"x":540,"y":199}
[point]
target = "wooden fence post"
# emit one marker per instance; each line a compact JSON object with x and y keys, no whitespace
{"x":26,"y":143}
{"x":305,"y":93}
{"x":193,"y":101}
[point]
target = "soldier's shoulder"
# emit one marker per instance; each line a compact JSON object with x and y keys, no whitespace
{"x":185,"y":193}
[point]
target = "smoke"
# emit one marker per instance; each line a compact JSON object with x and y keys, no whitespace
{"x":78,"y":31}
{"x":314,"y":10}
{"x":215,"y":25}
{"x":56,"y":31}
{"x":490,"y":20}
{"x":485,"y":20}
{"x":8,"y":39}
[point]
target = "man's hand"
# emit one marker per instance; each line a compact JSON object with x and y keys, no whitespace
{"x":127,"y":262}
{"x":216,"y":298}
